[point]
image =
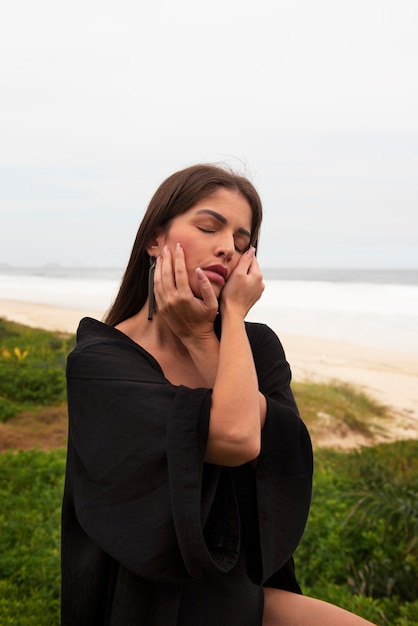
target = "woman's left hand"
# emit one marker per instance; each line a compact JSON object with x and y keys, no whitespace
{"x":244,"y":286}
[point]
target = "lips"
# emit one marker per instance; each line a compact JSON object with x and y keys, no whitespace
{"x":217,"y":273}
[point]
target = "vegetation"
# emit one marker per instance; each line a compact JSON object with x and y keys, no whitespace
{"x":30,"y":493}
{"x":360,"y":548}
{"x":32,"y":368}
{"x":338,"y":408}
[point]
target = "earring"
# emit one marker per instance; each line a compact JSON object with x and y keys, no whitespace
{"x":151,"y":296}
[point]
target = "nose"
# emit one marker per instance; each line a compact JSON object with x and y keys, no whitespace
{"x":225,"y":247}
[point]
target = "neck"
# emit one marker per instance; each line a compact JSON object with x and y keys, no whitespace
{"x":151,"y":333}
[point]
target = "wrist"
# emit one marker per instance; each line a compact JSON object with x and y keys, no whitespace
{"x":232,"y":313}
{"x":200,"y":341}
{"x":204,"y":352}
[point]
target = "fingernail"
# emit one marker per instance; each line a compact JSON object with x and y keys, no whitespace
{"x":165,"y":250}
{"x":199,"y":272}
{"x":178,"y":247}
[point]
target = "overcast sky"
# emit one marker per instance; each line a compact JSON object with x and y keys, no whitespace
{"x":315,"y":100}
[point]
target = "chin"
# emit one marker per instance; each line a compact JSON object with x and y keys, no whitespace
{"x":217,"y":288}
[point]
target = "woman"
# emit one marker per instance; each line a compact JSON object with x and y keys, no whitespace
{"x":189,"y":469}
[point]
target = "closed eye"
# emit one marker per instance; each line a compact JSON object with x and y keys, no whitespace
{"x":206,"y":230}
{"x":210,"y":231}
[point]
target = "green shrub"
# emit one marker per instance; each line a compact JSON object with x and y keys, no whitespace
{"x":361,"y":537}
{"x":8,"y":409}
{"x":13,"y":334}
{"x":22,"y":608}
{"x":31,"y":486}
{"x":386,"y":516}
{"x":32,"y":368}
{"x":34,"y":383}
{"x":8,"y":329}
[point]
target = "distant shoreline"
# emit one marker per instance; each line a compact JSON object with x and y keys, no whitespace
{"x":389,"y":275}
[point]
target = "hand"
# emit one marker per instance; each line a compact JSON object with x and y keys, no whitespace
{"x":186,"y":314}
{"x":244,"y":286}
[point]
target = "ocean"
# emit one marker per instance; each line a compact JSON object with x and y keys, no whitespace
{"x":377,"y":308}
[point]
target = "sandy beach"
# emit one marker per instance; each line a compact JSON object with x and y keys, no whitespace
{"x":45,"y":316}
{"x":388,"y":376}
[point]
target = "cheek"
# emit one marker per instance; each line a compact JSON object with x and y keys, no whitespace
{"x":234,"y":262}
{"x":178,"y":235}
{"x":191,"y":252}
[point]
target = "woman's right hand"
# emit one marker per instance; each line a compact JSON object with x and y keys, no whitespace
{"x":188,"y":316}
{"x":244,"y":286}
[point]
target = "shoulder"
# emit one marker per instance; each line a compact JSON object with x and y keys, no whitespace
{"x":271,"y":364}
{"x":91,"y":330}
{"x":102,"y":350}
{"x":262,"y":336}
{"x":97,"y":337}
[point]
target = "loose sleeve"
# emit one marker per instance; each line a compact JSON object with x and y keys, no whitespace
{"x":283,"y":477}
{"x":139,"y":485}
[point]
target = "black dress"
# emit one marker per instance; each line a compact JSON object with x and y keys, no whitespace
{"x":152,"y":535}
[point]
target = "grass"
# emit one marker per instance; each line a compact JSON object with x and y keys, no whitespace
{"x":30,"y":492}
{"x":339,"y":408}
{"x":32,"y":368}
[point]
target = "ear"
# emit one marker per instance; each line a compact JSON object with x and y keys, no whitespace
{"x":156,"y":244}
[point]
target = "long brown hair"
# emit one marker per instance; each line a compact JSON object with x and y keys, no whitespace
{"x":176,"y":195}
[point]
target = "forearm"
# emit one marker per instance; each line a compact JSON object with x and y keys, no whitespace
{"x":205,"y":355}
{"x":238,"y":408}
{"x":204,"y":352}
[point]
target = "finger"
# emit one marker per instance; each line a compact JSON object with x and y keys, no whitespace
{"x":163,"y":277}
{"x":246,"y":261}
{"x":254,"y":268}
{"x":180,"y":270}
{"x":167,"y":271}
{"x":206,"y":290}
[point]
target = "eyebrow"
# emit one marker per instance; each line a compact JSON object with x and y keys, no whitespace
{"x":223,"y":220}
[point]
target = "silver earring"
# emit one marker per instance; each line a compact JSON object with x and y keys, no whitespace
{"x":151,"y":296}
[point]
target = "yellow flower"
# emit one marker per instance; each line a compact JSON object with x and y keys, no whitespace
{"x":20,"y":355}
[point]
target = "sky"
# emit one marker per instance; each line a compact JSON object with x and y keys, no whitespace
{"x":315,"y":101}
